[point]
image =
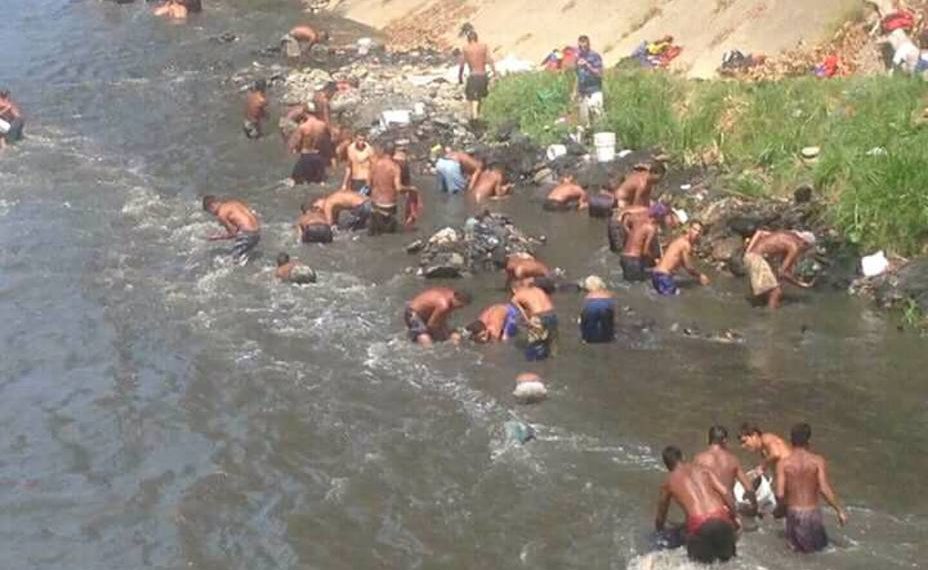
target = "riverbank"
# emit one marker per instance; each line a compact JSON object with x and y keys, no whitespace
{"x":872,"y":142}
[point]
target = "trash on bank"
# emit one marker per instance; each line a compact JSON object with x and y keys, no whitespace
{"x":873,"y":265}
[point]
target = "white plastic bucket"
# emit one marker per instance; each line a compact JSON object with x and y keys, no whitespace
{"x":364,"y":46}
{"x":605,"y":146}
{"x":5,"y":127}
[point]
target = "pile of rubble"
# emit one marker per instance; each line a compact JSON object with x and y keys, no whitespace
{"x":481,"y":245}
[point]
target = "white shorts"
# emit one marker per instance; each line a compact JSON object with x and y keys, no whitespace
{"x":591,"y":107}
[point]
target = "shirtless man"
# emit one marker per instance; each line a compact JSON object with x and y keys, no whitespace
{"x":386,"y":186}
{"x":638,"y":184}
{"x":679,"y":254}
{"x":526,"y":268}
{"x":255,"y":109}
{"x":322,"y":99}
{"x":299,"y":39}
{"x":360,"y":154}
{"x":357,"y":205}
{"x":785,"y":246}
{"x":566,"y":196}
{"x":771,"y":447}
{"x":640,"y":241}
{"x":801,"y":478}
{"x":426,"y":316}
{"x":292,"y":271}
{"x":174,"y":9}
{"x":308,"y":140}
{"x":725,"y":464}
{"x":11,"y":127}
{"x":476,"y":56}
{"x":312,"y":226}
{"x":240,"y":223}
{"x":537,"y":309}
{"x":711,"y":520}
{"x":491,"y":184}
{"x":457,"y":171}
{"x":497,"y":323}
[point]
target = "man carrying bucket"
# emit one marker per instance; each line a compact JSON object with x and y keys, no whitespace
{"x":588,"y":90}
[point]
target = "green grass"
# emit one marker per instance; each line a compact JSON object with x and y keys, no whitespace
{"x":755,"y":132}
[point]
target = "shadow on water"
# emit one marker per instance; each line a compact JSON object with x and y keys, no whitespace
{"x":166,"y":409}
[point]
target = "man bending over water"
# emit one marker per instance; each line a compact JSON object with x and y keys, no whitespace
{"x":801,"y":478}
{"x":497,"y":323}
{"x":568,"y":195}
{"x":787,"y":247}
{"x":711,"y":520}
{"x":300,"y":39}
{"x":240,"y":223}
{"x":537,"y":309}
{"x":11,"y":120}
{"x":426,"y":316}
{"x":491,"y":184}
{"x":312,"y":226}
{"x":770,"y":446}
{"x":679,"y":254}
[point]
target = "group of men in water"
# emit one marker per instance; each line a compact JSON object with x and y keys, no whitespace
{"x":705,"y":490}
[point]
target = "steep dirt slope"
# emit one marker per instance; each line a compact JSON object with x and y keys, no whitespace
{"x":530,"y":28}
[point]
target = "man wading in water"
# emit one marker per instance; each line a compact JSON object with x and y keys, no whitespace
{"x":724,"y":464}
{"x":476,"y":56}
{"x":787,"y":246}
{"x":679,"y":254}
{"x":240,"y":222}
{"x":255,"y":109}
{"x":360,"y":154}
{"x":308,"y":140}
{"x":801,"y":478}
{"x":426,"y":316}
{"x":711,"y":520}
{"x":386,"y":186}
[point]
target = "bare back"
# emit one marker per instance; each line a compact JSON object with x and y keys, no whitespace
{"x":567,"y":192}
{"x":676,"y":256}
{"x":432,"y":304}
{"x":494,"y":318}
{"x":255,"y":105}
{"x":476,"y":55}
{"x":488,"y":185}
{"x":533,"y":300}
{"x":632,"y":186}
{"x":469,"y":164}
{"x":723,"y":463}
{"x":639,"y":239}
{"x":801,"y":473}
{"x":238,"y":215}
{"x":693,"y":488}
{"x":338,"y":201}
{"x":385,"y":181}
{"x":308,"y":137}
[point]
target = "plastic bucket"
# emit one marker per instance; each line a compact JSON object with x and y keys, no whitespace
{"x":605,"y":146}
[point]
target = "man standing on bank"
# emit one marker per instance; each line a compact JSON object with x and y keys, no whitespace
{"x":476,"y":56}
{"x":589,"y":87}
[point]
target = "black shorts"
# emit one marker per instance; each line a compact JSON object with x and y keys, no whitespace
{"x":355,"y":218}
{"x":715,"y":540}
{"x":309,"y":169}
{"x":633,"y":268}
{"x":317,"y":233}
{"x":477,"y":87}
{"x":357,"y":185}
{"x":615,"y":230}
{"x":601,"y":205}
{"x":383,"y":220}
{"x":243,"y":244}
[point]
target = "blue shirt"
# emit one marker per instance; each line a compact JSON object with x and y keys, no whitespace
{"x":587,"y":82}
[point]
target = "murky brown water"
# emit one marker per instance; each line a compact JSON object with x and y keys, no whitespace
{"x":162,"y":409}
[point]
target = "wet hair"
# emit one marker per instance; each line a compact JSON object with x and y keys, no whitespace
{"x":5,"y":93}
{"x":657,"y":168}
{"x":462,"y":297}
{"x":208,"y":201}
{"x":800,"y":435}
{"x":475,"y":328}
{"x":583,"y":38}
{"x":260,"y":85}
{"x":330,"y":87}
{"x":748,"y":430}
{"x":194,"y":6}
{"x":546,"y":284}
{"x":282,"y":259}
{"x":388,"y":148}
{"x":718,"y":434}
{"x":672,"y":456}
{"x":472,"y":35}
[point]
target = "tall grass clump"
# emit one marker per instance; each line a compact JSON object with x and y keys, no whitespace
{"x":873,"y":164}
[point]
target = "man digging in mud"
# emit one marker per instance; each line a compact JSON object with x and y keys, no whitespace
{"x":457,"y":171}
{"x":476,"y":56}
{"x":787,"y":247}
{"x":301,"y":39}
{"x":491,"y":184}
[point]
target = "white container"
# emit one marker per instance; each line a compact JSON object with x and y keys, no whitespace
{"x":364,"y":46}
{"x":605,"y":146}
{"x":5,"y":127}
{"x":400,"y":117}
{"x":556,"y":150}
{"x":873,"y":265}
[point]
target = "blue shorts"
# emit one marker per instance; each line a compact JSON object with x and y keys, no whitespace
{"x":597,"y":321}
{"x":451,"y":178}
{"x":511,"y":324}
{"x":664,"y":284}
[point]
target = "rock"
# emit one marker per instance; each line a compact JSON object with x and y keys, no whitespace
{"x":416,"y":246}
{"x":482,"y":245}
{"x":909,"y":284}
{"x":445,"y":236}
{"x":744,"y":226}
{"x":543,"y":176}
{"x":725,"y":250}
{"x":803,"y":194}
{"x":449,"y":266}
{"x":302,"y":275}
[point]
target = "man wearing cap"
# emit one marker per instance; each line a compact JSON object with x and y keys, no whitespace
{"x":589,"y":87}
{"x":785,"y":246}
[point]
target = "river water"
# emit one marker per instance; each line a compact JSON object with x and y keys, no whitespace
{"x":164,"y":409}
